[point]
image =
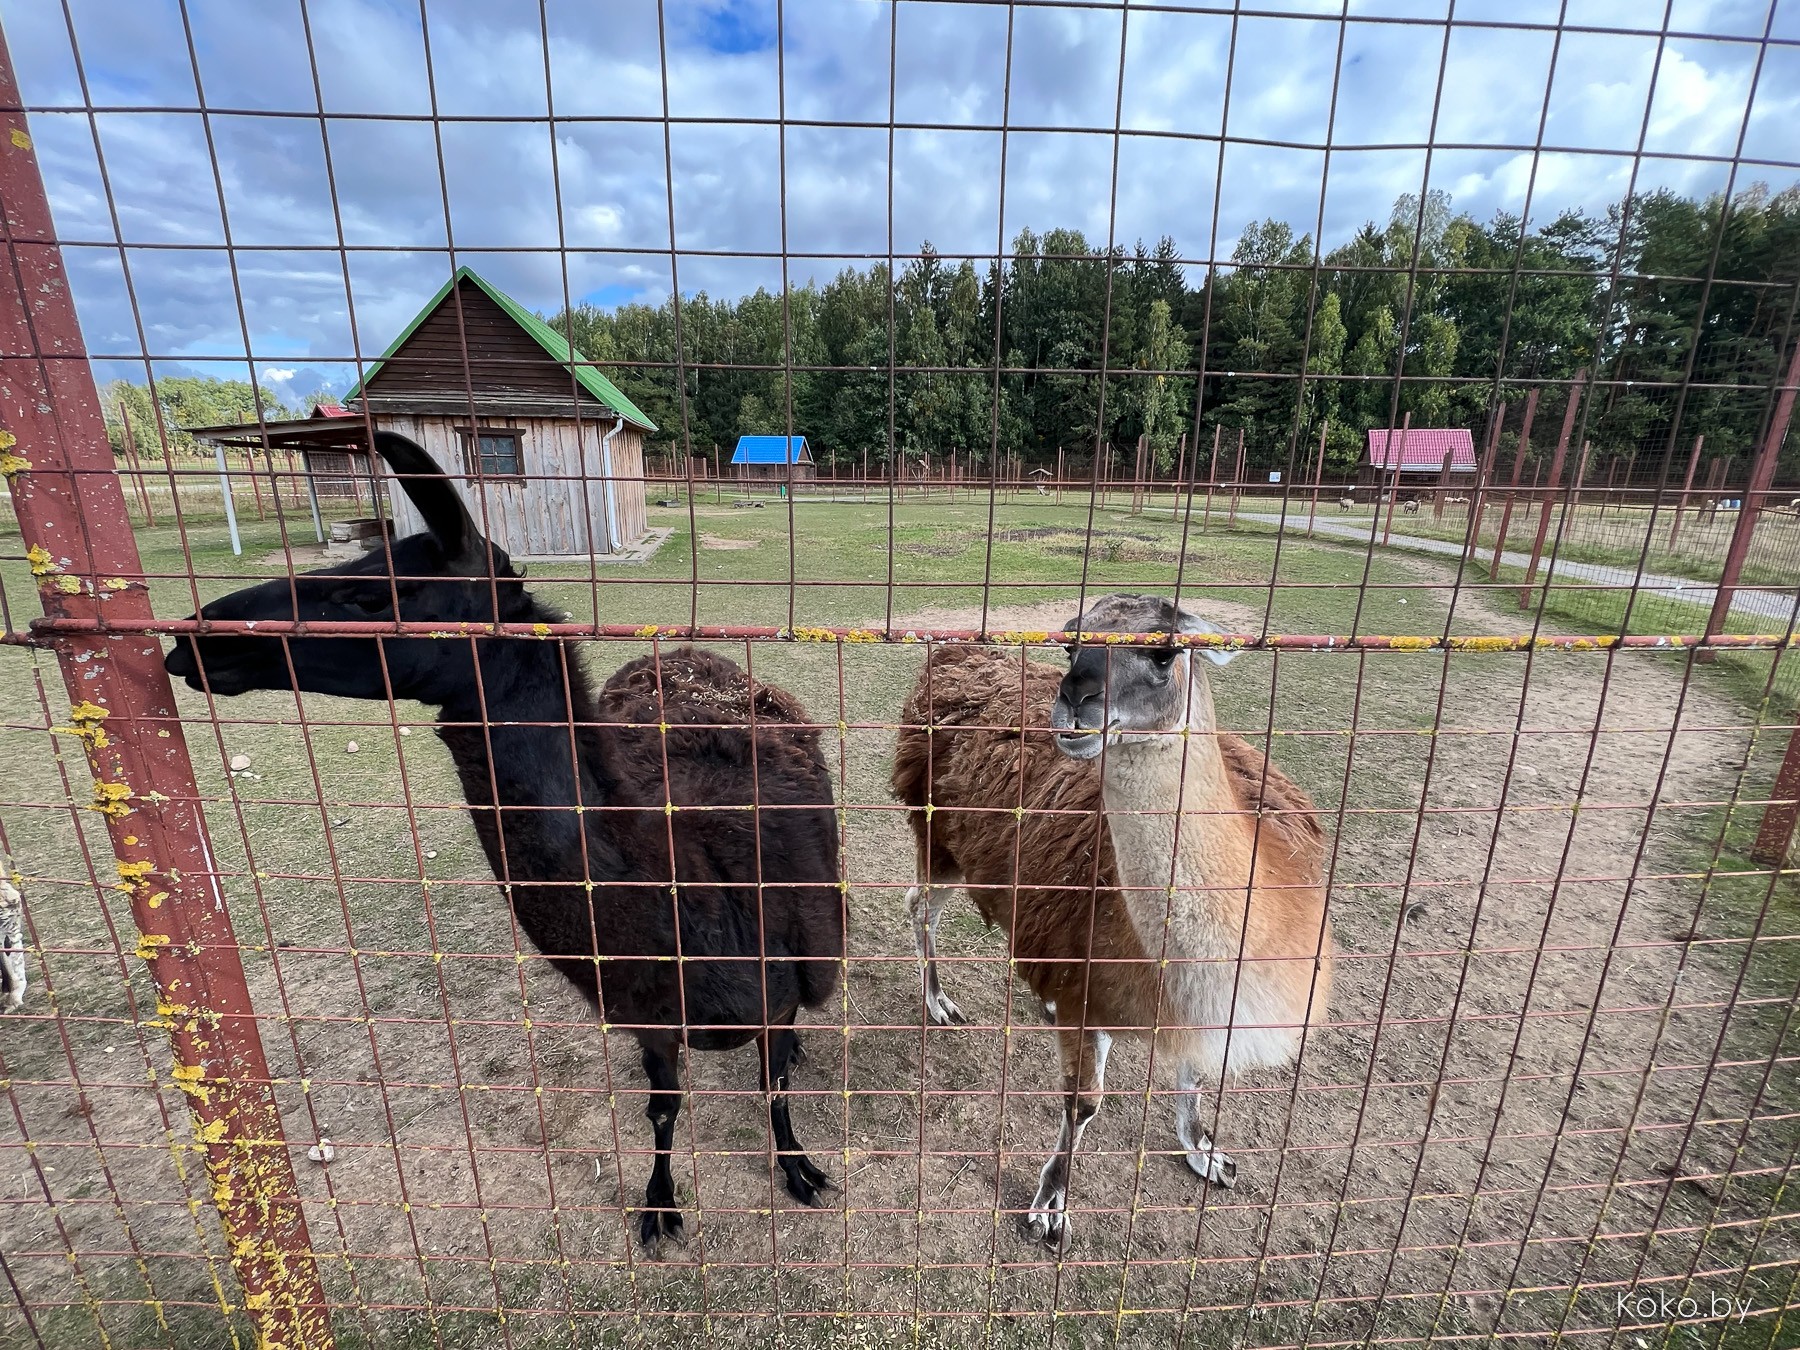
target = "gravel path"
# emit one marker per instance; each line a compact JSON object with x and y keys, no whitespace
{"x":1776,"y":605}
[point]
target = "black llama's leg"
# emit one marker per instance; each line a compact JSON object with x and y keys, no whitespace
{"x":661,"y":1217}
{"x":780,"y":1050}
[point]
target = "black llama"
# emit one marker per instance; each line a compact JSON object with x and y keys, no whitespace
{"x":569,"y":787}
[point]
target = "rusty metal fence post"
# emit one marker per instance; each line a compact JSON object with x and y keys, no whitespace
{"x":1484,"y":472}
{"x":71,"y":510}
{"x":1512,"y":491}
{"x":1762,"y":474}
{"x":1556,"y":468}
{"x":1687,"y":489}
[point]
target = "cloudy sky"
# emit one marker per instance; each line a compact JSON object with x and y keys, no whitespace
{"x":337,"y":202}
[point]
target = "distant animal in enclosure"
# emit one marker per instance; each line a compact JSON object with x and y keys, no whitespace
{"x":608,"y":895}
{"x":1410,"y":506}
{"x":1245,"y":930}
{"x":1456,"y":501}
{"x":1346,"y":502}
{"x":12,"y":946}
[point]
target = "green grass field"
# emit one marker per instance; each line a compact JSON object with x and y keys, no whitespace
{"x":1502,"y":1100}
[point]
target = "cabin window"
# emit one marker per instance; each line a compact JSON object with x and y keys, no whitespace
{"x":493,"y":453}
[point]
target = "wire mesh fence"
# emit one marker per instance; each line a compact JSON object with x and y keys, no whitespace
{"x":1125,"y":834}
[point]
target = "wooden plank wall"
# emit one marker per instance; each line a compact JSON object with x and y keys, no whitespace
{"x":546,"y":513}
{"x":481,"y":346}
{"x":628,"y":483}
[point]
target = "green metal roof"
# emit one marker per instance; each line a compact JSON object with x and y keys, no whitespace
{"x":560,"y":349}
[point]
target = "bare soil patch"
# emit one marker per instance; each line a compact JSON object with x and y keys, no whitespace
{"x":1050,"y":616}
{"x":304,"y":556}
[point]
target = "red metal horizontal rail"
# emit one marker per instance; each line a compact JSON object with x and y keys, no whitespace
{"x":1488,"y":643}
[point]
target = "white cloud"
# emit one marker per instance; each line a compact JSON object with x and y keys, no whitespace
{"x":511,"y":200}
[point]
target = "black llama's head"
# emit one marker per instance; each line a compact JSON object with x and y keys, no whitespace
{"x":448,"y":574}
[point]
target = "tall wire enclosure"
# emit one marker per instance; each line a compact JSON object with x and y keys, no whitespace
{"x":1441,"y":365}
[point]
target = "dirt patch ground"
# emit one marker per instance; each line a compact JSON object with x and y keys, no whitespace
{"x":1542,"y":1074}
{"x":1052,"y":615}
{"x":723,"y":544}
{"x":304,"y":556}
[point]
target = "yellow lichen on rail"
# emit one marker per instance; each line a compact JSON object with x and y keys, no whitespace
{"x":132,"y":874}
{"x":190,"y":1079}
{"x":40,"y":561}
{"x":85,"y":723}
{"x":1489,"y":644}
{"x":252,"y":1189}
{"x":10,"y":463}
{"x":111,"y":799}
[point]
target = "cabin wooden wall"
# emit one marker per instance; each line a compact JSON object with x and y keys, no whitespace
{"x":468,"y":342}
{"x":777,"y":473}
{"x":628,"y":483}
{"x":550,"y":512}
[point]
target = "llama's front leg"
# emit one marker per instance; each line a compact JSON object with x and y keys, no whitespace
{"x":661,"y":1217}
{"x":1084,"y":1080}
{"x":1193,"y":1109}
{"x":780,"y":1050}
{"x":926,"y":901}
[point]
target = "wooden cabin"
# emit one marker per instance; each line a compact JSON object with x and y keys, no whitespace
{"x":1413,"y":460}
{"x":546,"y":451}
{"x":550,"y":452}
{"x":342,"y":473}
{"x":774,"y":459}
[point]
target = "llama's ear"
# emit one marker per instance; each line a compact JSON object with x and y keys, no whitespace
{"x":1072,"y":626}
{"x":424,"y":482}
{"x":1187,"y":623}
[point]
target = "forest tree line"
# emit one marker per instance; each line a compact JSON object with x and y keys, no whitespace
{"x":190,"y":401}
{"x":1588,"y":290}
{"x":1434,"y":294}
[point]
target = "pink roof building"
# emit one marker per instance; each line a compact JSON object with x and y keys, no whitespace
{"x":1423,"y":451}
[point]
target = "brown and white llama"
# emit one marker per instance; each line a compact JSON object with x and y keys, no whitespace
{"x":1155,"y":876}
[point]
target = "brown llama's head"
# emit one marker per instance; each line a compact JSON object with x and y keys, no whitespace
{"x":1130,"y":695}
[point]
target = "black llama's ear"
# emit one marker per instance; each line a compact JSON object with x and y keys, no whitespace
{"x":423,"y":481}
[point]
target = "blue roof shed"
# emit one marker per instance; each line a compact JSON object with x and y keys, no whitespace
{"x":771,"y":450}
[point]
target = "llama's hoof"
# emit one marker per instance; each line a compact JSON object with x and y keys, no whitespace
{"x":805,"y":1182}
{"x":943,"y":1012}
{"x":1049,"y":1228}
{"x":657,"y":1227}
{"x":1213,"y":1166}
